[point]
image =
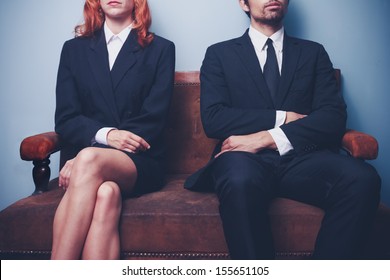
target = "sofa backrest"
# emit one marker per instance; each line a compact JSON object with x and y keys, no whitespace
{"x":187,"y":147}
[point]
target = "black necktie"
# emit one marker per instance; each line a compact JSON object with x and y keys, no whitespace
{"x":271,"y":70}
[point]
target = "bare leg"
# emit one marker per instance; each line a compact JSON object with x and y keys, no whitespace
{"x":103,"y":237}
{"x":72,"y":222}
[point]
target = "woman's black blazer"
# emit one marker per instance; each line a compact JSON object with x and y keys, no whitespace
{"x":133,"y":96}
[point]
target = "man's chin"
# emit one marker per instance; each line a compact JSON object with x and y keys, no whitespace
{"x":273,"y":21}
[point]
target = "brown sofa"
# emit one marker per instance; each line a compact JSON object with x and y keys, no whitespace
{"x":173,"y":223}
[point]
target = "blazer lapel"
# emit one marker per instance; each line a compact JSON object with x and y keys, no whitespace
{"x":291,"y":54}
{"x":127,"y":57}
{"x":247,"y":54}
{"x":98,"y":59}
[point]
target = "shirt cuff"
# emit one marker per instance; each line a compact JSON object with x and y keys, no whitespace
{"x":281,"y":141}
{"x":101,"y":135}
{"x":280,"y":118}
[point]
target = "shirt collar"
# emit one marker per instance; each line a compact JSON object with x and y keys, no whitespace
{"x":259,"y":39}
{"x":121,"y":35}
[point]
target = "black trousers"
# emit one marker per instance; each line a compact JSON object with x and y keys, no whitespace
{"x":347,"y":190}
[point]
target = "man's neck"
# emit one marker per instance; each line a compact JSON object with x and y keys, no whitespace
{"x":116,"y":26}
{"x":266,"y":29}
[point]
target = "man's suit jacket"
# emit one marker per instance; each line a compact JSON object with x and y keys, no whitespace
{"x":235,"y":99}
{"x":133,"y":96}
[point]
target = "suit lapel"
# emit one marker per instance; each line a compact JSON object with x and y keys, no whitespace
{"x":127,"y":57}
{"x":247,"y":54}
{"x":98,"y":60}
{"x":291,"y":54}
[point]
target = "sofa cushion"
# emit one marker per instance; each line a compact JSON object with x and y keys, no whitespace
{"x":172,"y":223}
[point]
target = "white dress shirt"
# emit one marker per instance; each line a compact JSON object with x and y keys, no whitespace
{"x":115,"y":42}
{"x":114,"y":45}
{"x":259,"y":42}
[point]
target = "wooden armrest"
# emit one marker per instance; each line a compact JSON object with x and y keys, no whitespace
{"x":40,"y":146}
{"x":360,"y":145}
{"x":38,"y":149}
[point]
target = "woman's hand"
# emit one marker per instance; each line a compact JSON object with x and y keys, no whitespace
{"x":126,"y":141}
{"x":65,"y":173}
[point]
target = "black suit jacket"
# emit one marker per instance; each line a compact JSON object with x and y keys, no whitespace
{"x":235,"y":99}
{"x":133,"y":96}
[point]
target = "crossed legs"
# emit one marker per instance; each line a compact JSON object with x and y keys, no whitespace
{"x":86,"y":220}
{"x":347,"y":190}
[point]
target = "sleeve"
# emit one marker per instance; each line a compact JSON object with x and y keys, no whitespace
{"x":282,"y":143}
{"x":151,"y":120}
{"x":101,"y":135}
{"x":280,"y":118}
{"x":70,"y":123}
{"x":326,"y":123}
{"x":220,"y":118}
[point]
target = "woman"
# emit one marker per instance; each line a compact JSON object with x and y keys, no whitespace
{"x":114,"y":86}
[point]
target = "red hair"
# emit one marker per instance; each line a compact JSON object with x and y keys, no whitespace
{"x":94,"y":19}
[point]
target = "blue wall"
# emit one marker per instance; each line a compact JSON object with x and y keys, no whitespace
{"x":355,"y":34}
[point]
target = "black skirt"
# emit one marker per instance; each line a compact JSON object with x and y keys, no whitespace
{"x":150,"y":172}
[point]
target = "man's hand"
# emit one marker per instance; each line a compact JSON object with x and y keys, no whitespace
{"x":251,"y":143}
{"x":292,"y":116}
{"x":63,"y":180}
{"x":126,"y":141}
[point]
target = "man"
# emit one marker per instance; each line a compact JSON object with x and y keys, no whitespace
{"x":275,"y":107}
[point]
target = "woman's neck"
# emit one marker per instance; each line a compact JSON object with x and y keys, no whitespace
{"x":116,"y":26}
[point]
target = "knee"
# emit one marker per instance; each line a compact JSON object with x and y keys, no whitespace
{"x":238,"y":186}
{"x":109,"y":195}
{"x":239,"y":183}
{"x":86,"y":162}
{"x":370,"y":178}
{"x":108,"y":205}
{"x":238,"y":177}
{"x":366,"y":184}
{"x":87,"y":156}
